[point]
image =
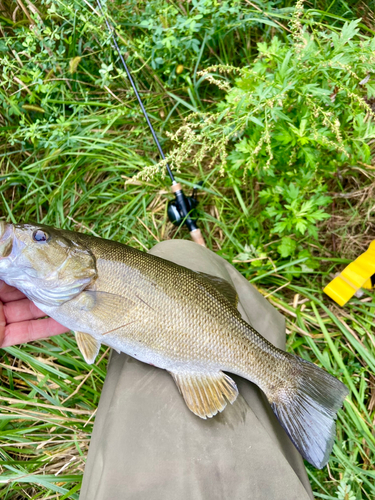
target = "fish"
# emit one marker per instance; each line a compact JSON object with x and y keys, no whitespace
{"x":171,"y":317}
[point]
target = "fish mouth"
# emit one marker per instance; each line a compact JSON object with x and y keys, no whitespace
{"x":6,"y":239}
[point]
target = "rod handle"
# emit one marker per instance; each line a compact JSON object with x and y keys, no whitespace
{"x":197,"y":237}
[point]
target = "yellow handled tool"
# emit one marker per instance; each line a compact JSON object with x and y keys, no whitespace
{"x":356,"y":275}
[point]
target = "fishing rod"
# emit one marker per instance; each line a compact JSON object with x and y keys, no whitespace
{"x":179,"y":209}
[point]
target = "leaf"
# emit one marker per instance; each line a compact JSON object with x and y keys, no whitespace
{"x":306,"y":207}
{"x":319,"y":215}
{"x":322,"y":200}
{"x":280,"y":227}
{"x":244,"y":146}
{"x":293,"y":192}
{"x":370,"y":90}
{"x":349,"y":30}
{"x":277,"y":112}
{"x":263,"y":21}
{"x":302,"y":126}
{"x":243,"y":256}
{"x":301,"y":226}
{"x":314,"y":89}
{"x":284,"y":137}
{"x":306,"y":269}
{"x":255,"y":120}
{"x":287,"y":247}
{"x":284,"y":67}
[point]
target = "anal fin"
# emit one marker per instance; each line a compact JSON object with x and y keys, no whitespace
{"x":88,"y":346}
{"x":206,"y":393}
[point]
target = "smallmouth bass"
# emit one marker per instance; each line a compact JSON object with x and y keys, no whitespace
{"x":169,"y":316}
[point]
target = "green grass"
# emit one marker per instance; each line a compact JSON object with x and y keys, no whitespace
{"x":73,"y":165}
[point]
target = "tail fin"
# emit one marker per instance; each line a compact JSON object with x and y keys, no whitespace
{"x":308,"y":413}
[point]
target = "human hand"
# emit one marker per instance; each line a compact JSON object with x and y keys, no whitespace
{"x":19,"y":321}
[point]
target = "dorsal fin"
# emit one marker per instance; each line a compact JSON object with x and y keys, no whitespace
{"x":223,"y":286}
{"x":206,"y":393}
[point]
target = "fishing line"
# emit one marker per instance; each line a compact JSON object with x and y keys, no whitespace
{"x":178,"y":210}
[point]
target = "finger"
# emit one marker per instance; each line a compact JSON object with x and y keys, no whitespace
{"x":21,"y":310}
{"x":9,"y":293}
{"x":2,"y":323}
{"x":27,"y":331}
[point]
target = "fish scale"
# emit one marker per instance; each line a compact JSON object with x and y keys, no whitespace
{"x":174,"y":318}
{"x":200,"y":330}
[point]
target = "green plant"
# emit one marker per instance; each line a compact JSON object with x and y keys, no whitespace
{"x":298,"y":114}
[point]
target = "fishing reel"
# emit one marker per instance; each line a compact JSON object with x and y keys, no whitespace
{"x":175,"y":209}
{"x":181,"y":211}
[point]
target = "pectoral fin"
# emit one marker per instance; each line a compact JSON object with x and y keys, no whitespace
{"x":88,"y":346}
{"x":104,"y":303}
{"x":206,"y":393}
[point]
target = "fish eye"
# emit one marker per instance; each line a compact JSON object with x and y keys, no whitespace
{"x":40,"y":236}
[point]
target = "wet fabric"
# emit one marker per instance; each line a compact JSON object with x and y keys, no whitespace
{"x":147,"y":445}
